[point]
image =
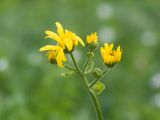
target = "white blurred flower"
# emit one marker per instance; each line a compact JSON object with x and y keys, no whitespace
{"x":156,"y":100}
{"x":155,"y":80}
{"x":104,"y":11}
{"x":107,"y":34}
{"x":4,"y":64}
{"x":149,"y":39}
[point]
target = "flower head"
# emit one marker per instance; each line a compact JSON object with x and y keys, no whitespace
{"x":92,"y":38}
{"x":110,"y":56}
{"x":55,"y":54}
{"x":64,"y":38}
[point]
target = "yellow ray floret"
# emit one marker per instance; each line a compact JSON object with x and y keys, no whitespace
{"x":65,"y":39}
{"x":55,"y":54}
{"x":110,"y":56}
{"x":92,"y":38}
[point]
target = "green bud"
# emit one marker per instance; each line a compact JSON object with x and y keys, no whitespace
{"x":98,"y":88}
{"x":97,"y":72}
{"x":90,"y":54}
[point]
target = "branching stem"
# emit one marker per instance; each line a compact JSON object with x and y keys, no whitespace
{"x":91,"y":94}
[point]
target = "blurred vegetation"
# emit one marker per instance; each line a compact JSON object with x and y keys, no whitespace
{"x":32,"y":89}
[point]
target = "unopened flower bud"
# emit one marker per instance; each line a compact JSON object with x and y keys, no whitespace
{"x":90,"y":54}
{"x":98,"y":88}
{"x":97,"y":72}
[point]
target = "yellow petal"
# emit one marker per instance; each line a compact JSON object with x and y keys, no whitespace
{"x":69,"y":44}
{"x":52,"y":35}
{"x":95,"y":38}
{"x":61,"y":53}
{"x":105,"y":45}
{"x":60,"y":30}
{"x":102,"y":51}
{"x":51,"y":55}
{"x":92,"y":38}
{"x":118,"y":48}
{"x":48,"y":48}
{"x":59,"y":61}
{"x":60,"y":58}
{"x":88,"y":39}
{"x":76,"y":42}
{"x":80,"y":40}
{"x":111,"y":46}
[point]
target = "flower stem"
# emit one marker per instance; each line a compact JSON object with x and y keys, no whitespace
{"x":94,"y":101}
{"x":88,"y":59}
{"x":97,"y":106}
{"x":91,"y":94}
{"x":75,"y":63}
{"x":70,"y":68}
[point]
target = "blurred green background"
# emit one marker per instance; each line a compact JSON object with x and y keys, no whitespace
{"x":32,"y":89}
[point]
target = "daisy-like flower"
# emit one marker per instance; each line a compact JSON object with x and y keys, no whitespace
{"x":55,"y":54}
{"x":65,"y":39}
{"x":110,"y":56}
{"x":92,"y":38}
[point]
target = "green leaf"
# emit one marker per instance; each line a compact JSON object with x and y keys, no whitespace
{"x":89,"y":67}
{"x":98,"y":88}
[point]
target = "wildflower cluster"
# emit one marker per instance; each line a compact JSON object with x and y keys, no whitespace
{"x":66,"y":41}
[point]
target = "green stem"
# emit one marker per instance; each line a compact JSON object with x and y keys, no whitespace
{"x":91,"y":94}
{"x":94,"y":100}
{"x":88,"y":59}
{"x":97,"y":106}
{"x":71,"y":68}
{"x":96,"y":80}
{"x":75,"y":63}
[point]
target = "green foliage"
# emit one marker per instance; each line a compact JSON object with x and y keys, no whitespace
{"x":32,"y":89}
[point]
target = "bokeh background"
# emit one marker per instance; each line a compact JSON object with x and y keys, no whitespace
{"x":33,"y":89}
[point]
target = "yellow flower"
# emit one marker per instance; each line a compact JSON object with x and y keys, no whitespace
{"x":55,"y":54}
{"x":110,"y":57}
{"x":92,"y":38}
{"x":65,"y":39}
